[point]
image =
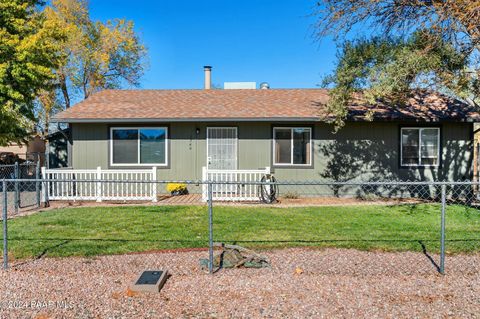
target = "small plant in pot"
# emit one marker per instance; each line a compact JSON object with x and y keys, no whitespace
{"x":176,"y":189}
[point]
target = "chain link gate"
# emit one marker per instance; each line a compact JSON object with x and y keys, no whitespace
{"x":22,"y":194}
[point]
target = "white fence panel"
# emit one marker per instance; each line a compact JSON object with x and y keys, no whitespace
{"x":99,"y":185}
{"x":233,"y":192}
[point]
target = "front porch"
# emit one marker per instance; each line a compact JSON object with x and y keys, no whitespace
{"x":144,"y":185}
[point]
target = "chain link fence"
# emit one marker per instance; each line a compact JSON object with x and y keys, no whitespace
{"x":359,"y":228}
{"x":364,"y":227}
{"x":23,"y":194}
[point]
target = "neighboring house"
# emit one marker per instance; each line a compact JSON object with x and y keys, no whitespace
{"x":53,"y":154}
{"x":32,"y":150}
{"x":181,"y":131}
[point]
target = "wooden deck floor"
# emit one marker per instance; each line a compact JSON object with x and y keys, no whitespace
{"x":190,"y":199}
{"x":196,"y":199}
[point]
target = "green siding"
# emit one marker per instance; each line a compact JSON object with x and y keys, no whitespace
{"x":367,"y":151}
{"x":90,"y":146}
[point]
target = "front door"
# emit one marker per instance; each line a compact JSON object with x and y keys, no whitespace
{"x":222,"y":155}
{"x":222,"y":148}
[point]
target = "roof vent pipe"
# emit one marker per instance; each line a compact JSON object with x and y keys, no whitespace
{"x":264,"y":86}
{"x":208,"y":77}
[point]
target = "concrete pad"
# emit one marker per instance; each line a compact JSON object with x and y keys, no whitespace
{"x":150,"y":281}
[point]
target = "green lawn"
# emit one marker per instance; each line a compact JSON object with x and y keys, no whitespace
{"x":111,"y":230}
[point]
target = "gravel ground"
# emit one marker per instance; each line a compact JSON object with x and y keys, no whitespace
{"x":302,"y":283}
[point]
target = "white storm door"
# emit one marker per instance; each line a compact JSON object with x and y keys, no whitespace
{"x":222,"y":155}
{"x":222,"y":148}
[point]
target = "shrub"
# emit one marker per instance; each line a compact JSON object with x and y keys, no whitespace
{"x":177,"y":188}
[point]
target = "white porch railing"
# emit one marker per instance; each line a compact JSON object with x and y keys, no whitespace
{"x":233,"y":192}
{"x":80,"y":184}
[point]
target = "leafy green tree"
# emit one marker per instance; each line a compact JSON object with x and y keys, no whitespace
{"x":29,"y":46}
{"x":97,"y":55}
{"x":413,"y":44}
{"x":392,"y":69}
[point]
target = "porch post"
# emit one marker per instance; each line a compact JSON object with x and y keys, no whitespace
{"x":154,"y":185}
{"x":99,"y":184}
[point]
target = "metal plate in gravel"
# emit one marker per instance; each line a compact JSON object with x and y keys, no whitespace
{"x":150,"y":281}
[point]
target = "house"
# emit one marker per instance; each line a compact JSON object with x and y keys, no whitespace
{"x":32,"y":150}
{"x":181,"y":131}
{"x":36,"y":149}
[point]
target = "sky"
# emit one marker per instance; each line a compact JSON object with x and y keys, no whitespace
{"x":249,"y":40}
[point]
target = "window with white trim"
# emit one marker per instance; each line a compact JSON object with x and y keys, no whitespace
{"x":292,"y":146}
{"x":138,"y":146}
{"x":420,"y":146}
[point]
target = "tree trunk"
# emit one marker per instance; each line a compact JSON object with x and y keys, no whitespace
{"x":63,"y":87}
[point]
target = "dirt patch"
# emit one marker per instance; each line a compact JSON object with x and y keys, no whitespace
{"x":302,"y":283}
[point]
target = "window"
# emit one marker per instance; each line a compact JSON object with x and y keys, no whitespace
{"x":292,"y":145}
{"x":145,"y":146}
{"x":420,"y":146}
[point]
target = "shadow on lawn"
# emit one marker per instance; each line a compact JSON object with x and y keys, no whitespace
{"x":414,"y":242}
{"x":110,"y":240}
{"x":231,"y":240}
{"x":65,"y":241}
{"x":280,"y":241}
{"x":44,"y":252}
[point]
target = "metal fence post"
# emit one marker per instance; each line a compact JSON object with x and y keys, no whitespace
{"x":17,"y":192}
{"x":210,"y":229}
{"x":37,"y":183}
{"x":442,"y":232}
{"x":4,"y":216}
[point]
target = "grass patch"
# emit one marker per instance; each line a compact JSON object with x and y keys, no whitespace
{"x":90,"y":231}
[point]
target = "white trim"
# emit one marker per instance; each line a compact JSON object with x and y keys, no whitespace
{"x":291,"y":128}
{"x":420,"y":129}
{"x":138,"y":128}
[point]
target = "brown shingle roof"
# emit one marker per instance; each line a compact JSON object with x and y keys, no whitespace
{"x":275,"y":104}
